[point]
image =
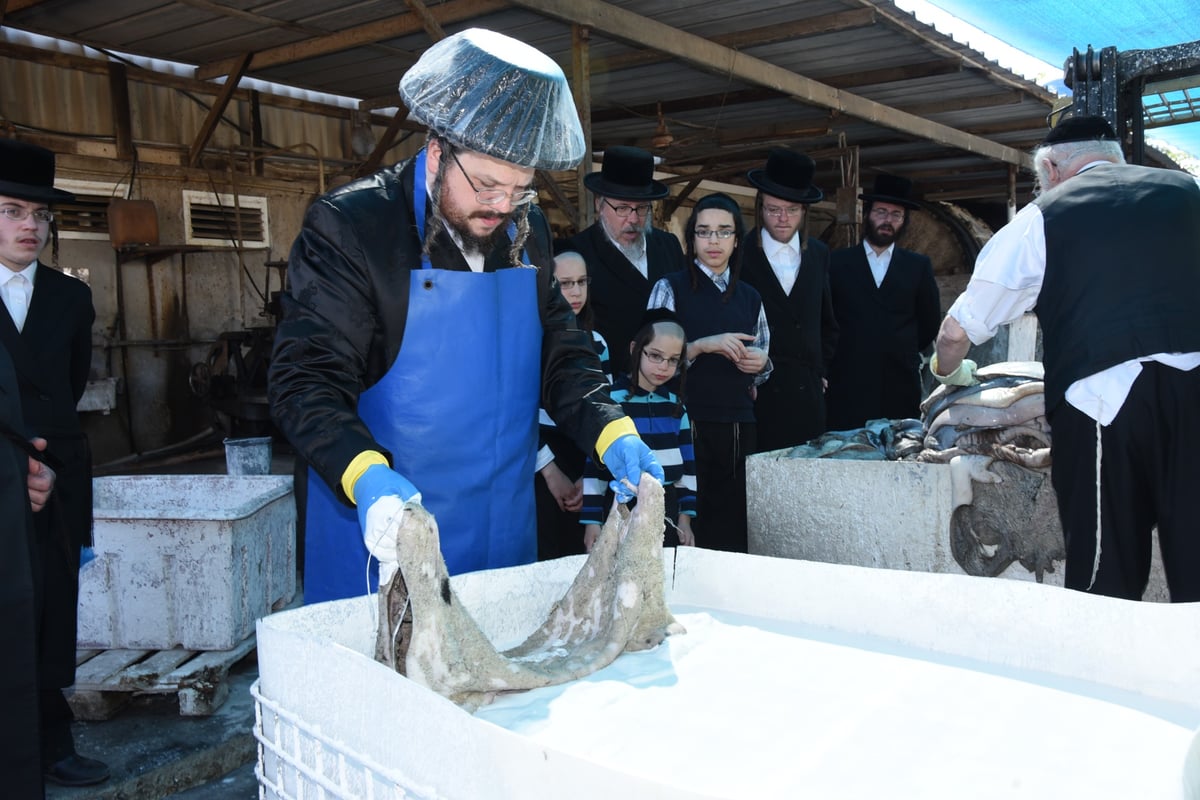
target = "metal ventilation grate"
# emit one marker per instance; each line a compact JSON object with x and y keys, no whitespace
{"x":226,"y":220}
{"x":88,"y":214}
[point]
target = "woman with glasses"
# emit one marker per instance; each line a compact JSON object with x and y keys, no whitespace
{"x":656,"y":358}
{"x":727,"y":345}
{"x":558,"y":485}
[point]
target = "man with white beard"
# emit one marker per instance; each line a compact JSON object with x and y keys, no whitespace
{"x":625,"y":254}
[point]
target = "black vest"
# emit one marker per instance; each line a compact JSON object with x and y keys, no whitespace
{"x":1122,"y":271}
{"x":716,"y":390}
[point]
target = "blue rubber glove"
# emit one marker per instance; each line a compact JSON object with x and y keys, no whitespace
{"x":627,"y":458}
{"x":380,"y":494}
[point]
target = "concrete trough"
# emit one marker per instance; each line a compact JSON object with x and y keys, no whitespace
{"x":332,"y":722}
{"x":186,"y":560}
{"x":884,"y":514}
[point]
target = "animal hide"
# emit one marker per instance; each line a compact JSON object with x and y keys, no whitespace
{"x":615,"y":604}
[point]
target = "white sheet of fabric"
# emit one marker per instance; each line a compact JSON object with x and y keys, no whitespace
{"x":815,"y":713}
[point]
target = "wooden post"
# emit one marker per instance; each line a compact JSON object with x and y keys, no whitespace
{"x":581,"y":78}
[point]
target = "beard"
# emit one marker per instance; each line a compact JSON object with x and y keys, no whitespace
{"x":633,"y":250}
{"x":459,"y":222}
{"x":882,"y":234}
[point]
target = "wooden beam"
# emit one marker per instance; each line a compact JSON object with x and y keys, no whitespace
{"x":218,"y":109}
{"x":547,"y":182}
{"x":932,"y":39}
{"x":13,"y":6}
{"x":711,"y":57}
{"x":385,"y":143}
{"x":428,"y":21}
{"x":963,"y":103}
{"x":402,"y":25}
{"x":118,"y":93}
{"x":581,"y":80}
{"x":95,"y":66}
{"x":756,"y":37}
{"x":895,"y":74}
{"x":256,"y":132}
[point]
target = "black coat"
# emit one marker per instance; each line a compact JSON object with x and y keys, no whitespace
{"x":875,"y":372}
{"x":20,"y":754}
{"x":344,"y":312}
{"x":618,"y":293}
{"x":52,"y":356}
{"x":790,"y":408}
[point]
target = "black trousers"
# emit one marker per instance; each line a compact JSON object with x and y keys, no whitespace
{"x":1150,"y":473}
{"x":721,"y":449}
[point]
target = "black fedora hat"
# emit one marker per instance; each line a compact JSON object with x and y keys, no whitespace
{"x":891,"y":189}
{"x":1081,"y":129}
{"x":27,"y":173}
{"x":787,"y":175}
{"x":627,"y":173}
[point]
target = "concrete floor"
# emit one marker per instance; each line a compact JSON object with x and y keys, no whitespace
{"x":153,"y":752}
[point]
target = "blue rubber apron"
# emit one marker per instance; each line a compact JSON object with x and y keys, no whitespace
{"x":458,"y":411}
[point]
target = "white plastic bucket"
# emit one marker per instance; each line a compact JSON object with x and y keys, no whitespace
{"x":250,"y":456}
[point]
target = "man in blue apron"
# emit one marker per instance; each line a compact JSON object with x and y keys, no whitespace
{"x":420,"y":328}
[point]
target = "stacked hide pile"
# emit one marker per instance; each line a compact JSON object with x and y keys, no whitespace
{"x":1003,"y":417}
{"x":997,"y":441}
{"x":615,"y":604}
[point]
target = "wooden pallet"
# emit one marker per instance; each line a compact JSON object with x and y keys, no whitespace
{"x":105,"y":680}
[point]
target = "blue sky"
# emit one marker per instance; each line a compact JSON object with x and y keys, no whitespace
{"x":1035,"y":37}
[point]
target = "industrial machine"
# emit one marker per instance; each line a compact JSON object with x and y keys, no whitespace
{"x":1136,"y":90}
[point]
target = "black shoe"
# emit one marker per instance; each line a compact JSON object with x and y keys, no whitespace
{"x":77,"y":770}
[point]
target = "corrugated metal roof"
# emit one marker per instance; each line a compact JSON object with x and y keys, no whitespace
{"x":912,"y":101}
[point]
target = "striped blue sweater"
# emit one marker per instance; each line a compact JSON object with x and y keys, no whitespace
{"x":665,"y":428}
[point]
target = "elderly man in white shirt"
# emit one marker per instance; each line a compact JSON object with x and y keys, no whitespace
{"x":1109,"y":259}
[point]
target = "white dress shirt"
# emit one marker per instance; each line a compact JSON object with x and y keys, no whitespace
{"x":784,"y":258}
{"x":18,"y":292}
{"x":879,"y":262}
{"x":1006,"y":283}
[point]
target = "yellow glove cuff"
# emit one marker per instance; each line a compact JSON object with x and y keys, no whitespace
{"x":613,"y":431}
{"x":367,"y":458}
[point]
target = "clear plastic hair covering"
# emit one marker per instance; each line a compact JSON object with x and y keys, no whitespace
{"x":492,"y":94}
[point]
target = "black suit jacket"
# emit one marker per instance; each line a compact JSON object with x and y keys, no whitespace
{"x":876,"y":368}
{"x":52,"y":356}
{"x":790,"y":408}
{"x":18,"y":668}
{"x":618,"y":293}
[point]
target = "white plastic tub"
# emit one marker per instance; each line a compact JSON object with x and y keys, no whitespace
{"x":186,"y":560}
{"x":334,"y":723}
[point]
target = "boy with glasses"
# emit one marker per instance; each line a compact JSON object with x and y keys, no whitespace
{"x":47,"y":331}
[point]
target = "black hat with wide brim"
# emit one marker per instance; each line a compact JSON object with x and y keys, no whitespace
{"x":27,"y":173}
{"x":627,"y":173}
{"x":787,"y":175}
{"x":1081,"y":129}
{"x":891,"y":189}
